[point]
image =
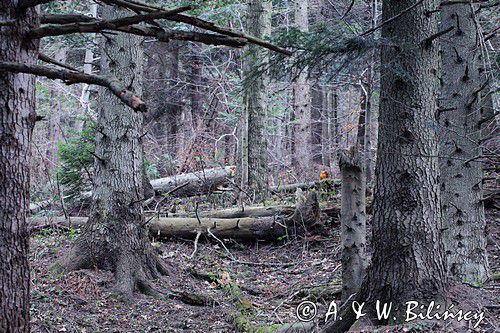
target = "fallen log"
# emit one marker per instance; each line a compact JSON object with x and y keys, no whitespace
{"x":249,"y":211}
{"x":325,"y":184}
{"x":194,"y":183}
{"x":189,"y":184}
{"x":39,"y":206}
{"x":304,"y":220}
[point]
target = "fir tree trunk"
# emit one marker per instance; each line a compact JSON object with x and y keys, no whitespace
{"x":461,"y":172}
{"x":17,"y":118}
{"x":253,"y":161}
{"x":408,"y":262}
{"x":115,"y":237}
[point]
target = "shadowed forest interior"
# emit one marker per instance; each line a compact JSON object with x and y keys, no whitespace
{"x":249,"y":166}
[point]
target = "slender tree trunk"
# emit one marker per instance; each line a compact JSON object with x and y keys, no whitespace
{"x":461,"y":172}
{"x":408,"y":262}
{"x":87,"y":68}
{"x":253,"y":159}
{"x":17,"y":118}
{"x":115,"y":238}
{"x":302,"y":104}
{"x":317,"y":124}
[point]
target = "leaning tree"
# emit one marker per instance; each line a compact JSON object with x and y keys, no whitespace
{"x":21,"y":28}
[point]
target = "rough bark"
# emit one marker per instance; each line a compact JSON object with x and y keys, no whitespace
{"x":17,"y":118}
{"x":461,"y":172}
{"x":253,"y":161}
{"x":353,"y":221}
{"x":408,"y":262}
{"x":115,"y":238}
{"x":302,"y":104}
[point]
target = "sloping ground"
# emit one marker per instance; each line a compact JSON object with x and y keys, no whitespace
{"x":267,"y":282}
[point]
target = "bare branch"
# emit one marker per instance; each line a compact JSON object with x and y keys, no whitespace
{"x":99,"y":25}
{"x":52,"y":61}
{"x":70,"y":77}
{"x":165,"y":36}
{"x":65,"y":18}
{"x":194,"y":21}
{"x":428,"y":41}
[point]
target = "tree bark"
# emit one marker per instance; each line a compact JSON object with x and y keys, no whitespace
{"x":17,"y":118}
{"x":115,"y":238}
{"x":353,"y":220}
{"x":302,"y":104}
{"x":253,"y":160}
{"x":461,"y":172}
{"x":408,"y":262}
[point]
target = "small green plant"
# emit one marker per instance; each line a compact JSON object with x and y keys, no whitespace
{"x":77,"y":159}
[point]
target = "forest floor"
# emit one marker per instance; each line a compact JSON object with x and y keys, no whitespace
{"x":267,"y":282}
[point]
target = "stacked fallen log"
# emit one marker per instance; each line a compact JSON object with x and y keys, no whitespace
{"x":189,"y":184}
{"x":263,"y":223}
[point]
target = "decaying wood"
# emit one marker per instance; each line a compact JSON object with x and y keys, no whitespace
{"x":195,"y":183}
{"x":189,"y":184}
{"x":304,"y":220}
{"x":38,"y":206}
{"x":325,"y":184}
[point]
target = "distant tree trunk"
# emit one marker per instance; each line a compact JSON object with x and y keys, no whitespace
{"x":17,"y":118}
{"x":196,"y":81}
{"x":461,"y":172}
{"x":353,"y":220}
{"x":87,"y":68}
{"x":115,"y":238}
{"x":408,"y":262}
{"x":326,"y":140}
{"x":317,"y":124}
{"x":253,"y":161}
{"x":302,"y":104}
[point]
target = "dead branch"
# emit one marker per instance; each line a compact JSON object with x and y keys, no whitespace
{"x":194,"y":21}
{"x":70,"y":77}
{"x":100,"y":25}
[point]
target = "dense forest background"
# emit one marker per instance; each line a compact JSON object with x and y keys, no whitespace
{"x":258,"y":167}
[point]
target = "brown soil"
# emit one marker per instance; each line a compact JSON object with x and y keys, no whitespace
{"x":274,"y":279}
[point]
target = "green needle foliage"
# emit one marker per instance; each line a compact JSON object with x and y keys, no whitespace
{"x":77,"y":160}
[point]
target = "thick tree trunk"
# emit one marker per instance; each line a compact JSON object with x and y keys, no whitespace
{"x":461,"y":172}
{"x":115,"y":238}
{"x":408,"y":262}
{"x":353,"y":221}
{"x":302,"y":105}
{"x":253,"y":161}
{"x":17,"y":118}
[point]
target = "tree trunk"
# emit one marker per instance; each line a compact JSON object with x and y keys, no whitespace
{"x":253,"y":161}
{"x":17,"y":118}
{"x":115,"y":238}
{"x":302,"y":104}
{"x":461,"y":172}
{"x":408,"y":262}
{"x":353,"y":220}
